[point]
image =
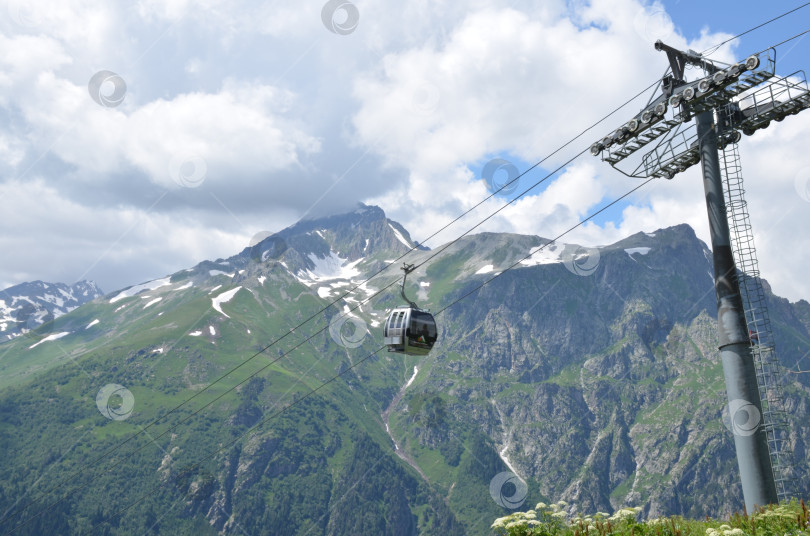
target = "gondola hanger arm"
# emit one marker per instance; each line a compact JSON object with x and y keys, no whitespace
{"x":407,"y":268}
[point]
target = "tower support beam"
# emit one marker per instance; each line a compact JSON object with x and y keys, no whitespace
{"x":745,"y":407}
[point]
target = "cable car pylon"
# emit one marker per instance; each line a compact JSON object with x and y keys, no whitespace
{"x":728,"y":100}
{"x":408,"y":329}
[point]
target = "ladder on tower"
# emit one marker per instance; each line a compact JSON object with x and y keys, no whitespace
{"x":768,"y":369}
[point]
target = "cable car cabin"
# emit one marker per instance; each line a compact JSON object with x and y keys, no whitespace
{"x":410,"y":331}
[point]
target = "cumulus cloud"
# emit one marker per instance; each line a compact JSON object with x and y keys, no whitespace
{"x":240,"y":132}
{"x":240,"y":117}
{"x":496,"y":91}
{"x":112,"y":244}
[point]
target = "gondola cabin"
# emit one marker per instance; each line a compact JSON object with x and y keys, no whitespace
{"x":409,"y":330}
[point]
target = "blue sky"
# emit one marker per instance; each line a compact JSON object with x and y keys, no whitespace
{"x":240,"y":117}
{"x":689,"y":19}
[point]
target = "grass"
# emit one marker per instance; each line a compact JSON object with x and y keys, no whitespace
{"x":786,"y":519}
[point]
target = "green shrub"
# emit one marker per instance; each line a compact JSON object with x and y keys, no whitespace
{"x":786,"y":519}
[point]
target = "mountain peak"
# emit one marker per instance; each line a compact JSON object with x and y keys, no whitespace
{"x":28,"y":305}
{"x":361,"y":233}
{"x":363,"y":213}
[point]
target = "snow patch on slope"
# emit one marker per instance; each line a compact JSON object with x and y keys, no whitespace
{"x":544,"y":256}
{"x":328,"y":268}
{"x":149,"y":285}
{"x":399,"y":236}
{"x":640,"y":251}
{"x":415,"y":372}
{"x":153,"y":302}
{"x":323,"y":292}
{"x":50,"y":338}
{"x":224,"y":298}
{"x":56,"y":300}
{"x":511,"y":467}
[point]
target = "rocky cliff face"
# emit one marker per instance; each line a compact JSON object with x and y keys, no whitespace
{"x":591,"y":373}
{"x":603,"y":386}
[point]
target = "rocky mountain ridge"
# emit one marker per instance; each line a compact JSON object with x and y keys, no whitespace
{"x":27,"y":306}
{"x":590,"y":373}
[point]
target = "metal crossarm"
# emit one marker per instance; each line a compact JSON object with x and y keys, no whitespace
{"x":679,"y":103}
{"x":776,"y":100}
{"x":636,"y":143}
{"x":745,"y":82}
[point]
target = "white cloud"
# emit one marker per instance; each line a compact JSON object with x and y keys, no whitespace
{"x":111,"y":244}
{"x":499,"y":91}
{"x":287,"y":118}
{"x":488,"y":89}
{"x":241,"y":130}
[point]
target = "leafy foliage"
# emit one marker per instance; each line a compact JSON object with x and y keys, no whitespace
{"x":776,"y":520}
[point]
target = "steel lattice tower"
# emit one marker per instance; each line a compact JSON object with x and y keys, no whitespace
{"x":729,"y":99}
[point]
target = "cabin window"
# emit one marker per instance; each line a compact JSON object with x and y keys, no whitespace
{"x":422,"y":324}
